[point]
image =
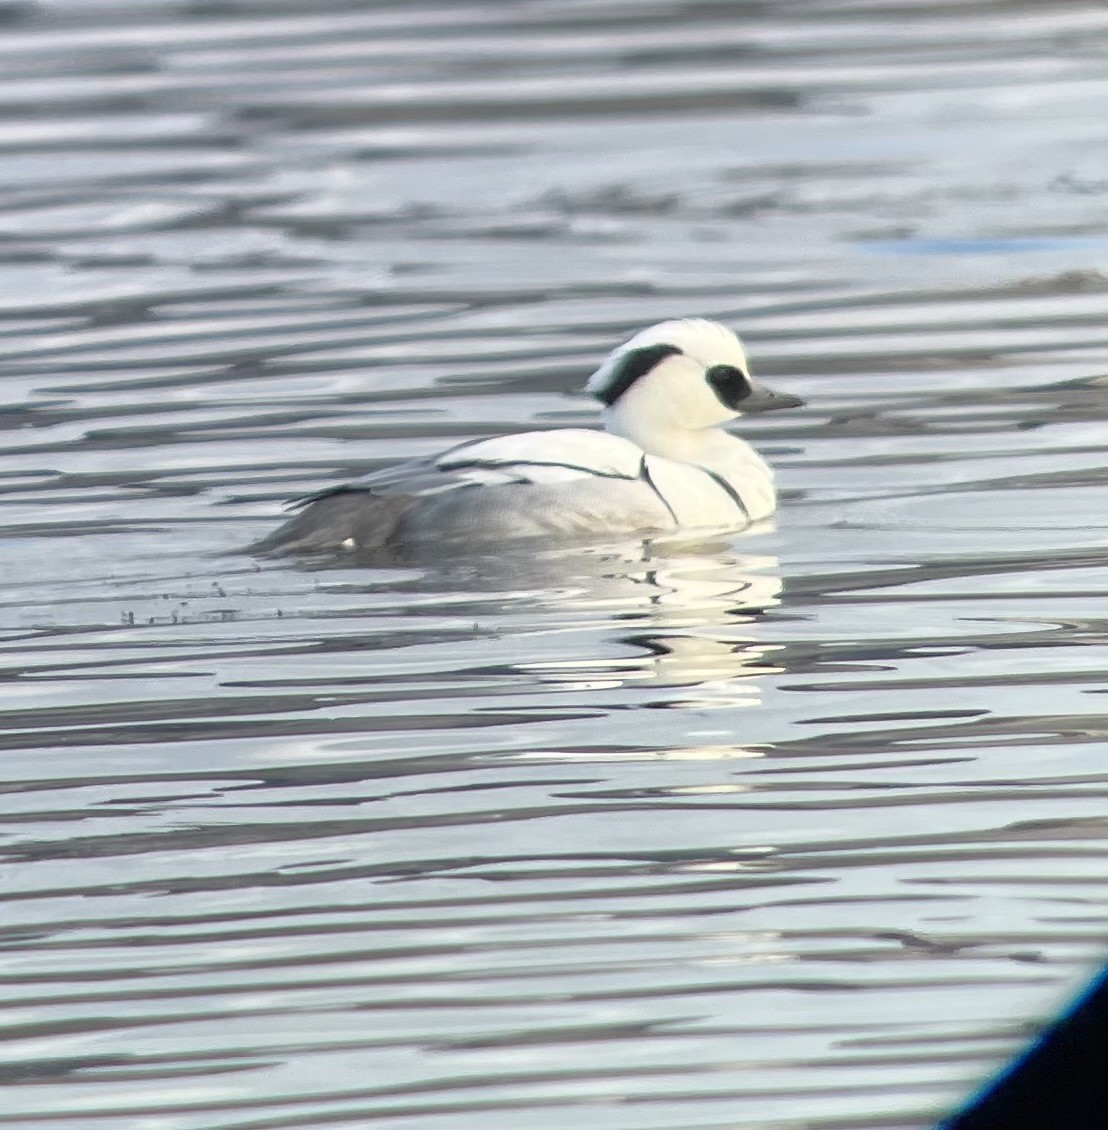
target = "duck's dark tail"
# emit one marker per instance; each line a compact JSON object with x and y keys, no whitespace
{"x":342,"y":520}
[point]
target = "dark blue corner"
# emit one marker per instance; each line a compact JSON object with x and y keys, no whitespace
{"x":1059,"y":1083}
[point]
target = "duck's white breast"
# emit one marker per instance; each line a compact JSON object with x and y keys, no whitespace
{"x":695,"y":496}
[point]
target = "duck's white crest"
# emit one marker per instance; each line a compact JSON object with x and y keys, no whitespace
{"x":708,"y":343}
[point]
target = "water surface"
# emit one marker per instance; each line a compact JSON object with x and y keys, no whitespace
{"x":798,"y":828}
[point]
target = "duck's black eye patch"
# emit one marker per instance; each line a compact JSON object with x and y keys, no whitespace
{"x":629,"y":367}
{"x":729,"y":384}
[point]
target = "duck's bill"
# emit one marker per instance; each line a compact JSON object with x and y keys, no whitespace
{"x":762,"y":399}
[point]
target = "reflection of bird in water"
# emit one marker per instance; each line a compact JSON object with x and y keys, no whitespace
{"x":693,"y":612}
{"x":722,"y":669}
{"x":664,"y":463}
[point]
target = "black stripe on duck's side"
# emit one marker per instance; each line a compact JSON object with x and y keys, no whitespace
{"x":626,"y":369}
{"x":512,"y":464}
{"x":1059,"y":1083}
{"x":644,"y":474}
{"x":725,"y":486}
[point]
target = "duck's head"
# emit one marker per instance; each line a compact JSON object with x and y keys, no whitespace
{"x":685,"y":374}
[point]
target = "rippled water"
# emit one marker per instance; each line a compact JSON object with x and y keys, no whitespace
{"x":799,"y":829}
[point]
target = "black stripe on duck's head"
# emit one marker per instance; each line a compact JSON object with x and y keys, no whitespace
{"x":695,"y":366}
{"x":624,"y":367}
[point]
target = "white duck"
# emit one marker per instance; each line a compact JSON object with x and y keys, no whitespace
{"x":663,"y":464}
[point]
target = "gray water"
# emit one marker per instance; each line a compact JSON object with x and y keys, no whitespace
{"x":803,"y":828}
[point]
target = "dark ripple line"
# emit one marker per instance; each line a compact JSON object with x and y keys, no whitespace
{"x":456,"y":1083}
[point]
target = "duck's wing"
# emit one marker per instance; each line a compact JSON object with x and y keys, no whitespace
{"x":528,"y":457}
{"x":548,"y":457}
{"x":580,"y":483}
